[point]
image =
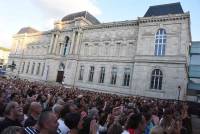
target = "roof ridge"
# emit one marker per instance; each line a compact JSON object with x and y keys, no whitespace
{"x":166,"y":4}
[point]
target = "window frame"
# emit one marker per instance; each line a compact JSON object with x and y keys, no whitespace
{"x":160,"y":42}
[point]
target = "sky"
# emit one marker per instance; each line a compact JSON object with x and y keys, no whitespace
{"x":41,"y":14}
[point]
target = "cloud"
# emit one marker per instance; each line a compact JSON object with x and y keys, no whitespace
{"x":60,"y":8}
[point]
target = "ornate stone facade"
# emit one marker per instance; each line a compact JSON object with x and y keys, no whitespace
{"x":116,"y":57}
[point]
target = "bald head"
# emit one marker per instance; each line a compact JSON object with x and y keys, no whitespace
{"x":35,"y":109}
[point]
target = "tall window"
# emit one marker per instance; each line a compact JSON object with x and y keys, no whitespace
{"x":91,"y":74}
{"x":23,"y":67}
{"x":102,"y":75}
{"x":27,"y":69}
{"x":65,"y":46}
{"x":33,"y":67}
{"x":113,"y":76}
{"x":127,"y":75}
{"x":160,"y":42}
{"x":81,"y":73}
{"x":38,"y":69}
{"x":156,"y":79}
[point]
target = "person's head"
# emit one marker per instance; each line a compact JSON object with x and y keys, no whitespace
{"x":136,"y":121}
{"x":72,"y":120}
{"x":57,"y":108}
{"x":14,"y":97}
{"x":67,"y":108}
{"x":115,"y":128}
{"x":168,"y":114}
{"x":148,"y":115}
{"x":35,"y":110}
{"x":93,"y":113}
{"x":13,"y":130}
{"x":13,"y":110}
{"x":48,"y":122}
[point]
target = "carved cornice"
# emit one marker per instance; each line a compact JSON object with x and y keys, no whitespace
{"x":161,"y":59}
{"x":112,"y":24}
{"x":164,"y":18}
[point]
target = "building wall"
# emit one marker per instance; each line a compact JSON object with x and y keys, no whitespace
{"x":4,"y":53}
{"x":124,"y":44}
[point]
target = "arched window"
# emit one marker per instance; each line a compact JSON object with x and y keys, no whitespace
{"x":160,"y":42}
{"x":156,"y":79}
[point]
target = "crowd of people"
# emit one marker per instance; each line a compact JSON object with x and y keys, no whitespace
{"x":35,"y":107}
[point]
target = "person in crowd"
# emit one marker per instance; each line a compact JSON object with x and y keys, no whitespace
{"x":34,"y":112}
{"x":135,"y":124}
{"x":46,"y":124}
{"x":13,"y":130}
{"x":72,"y":120}
{"x":100,"y":113}
{"x":12,"y":113}
{"x":149,"y":121}
{"x":2,"y":103}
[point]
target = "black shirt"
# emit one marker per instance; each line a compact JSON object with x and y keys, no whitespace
{"x":7,"y":123}
{"x":30,"y":121}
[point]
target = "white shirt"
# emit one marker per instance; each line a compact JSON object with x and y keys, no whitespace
{"x":62,"y":127}
{"x":125,"y":132}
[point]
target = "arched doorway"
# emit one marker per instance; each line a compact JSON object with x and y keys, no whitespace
{"x":60,"y":74}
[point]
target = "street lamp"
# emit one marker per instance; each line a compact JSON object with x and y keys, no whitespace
{"x":179,"y":91}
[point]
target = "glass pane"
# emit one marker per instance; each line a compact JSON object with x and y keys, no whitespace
{"x":156,"y":83}
{"x":155,"y":52}
{"x":160,"y":83}
{"x":152,"y":82}
{"x":163,"y":51}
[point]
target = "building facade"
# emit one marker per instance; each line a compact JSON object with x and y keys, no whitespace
{"x":146,"y":57}
{"x":4,"y":53}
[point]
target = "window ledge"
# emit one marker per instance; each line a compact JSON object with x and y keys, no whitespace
{"x":155,"y":90}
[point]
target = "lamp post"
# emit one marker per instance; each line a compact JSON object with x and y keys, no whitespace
{"x":179,"y":91}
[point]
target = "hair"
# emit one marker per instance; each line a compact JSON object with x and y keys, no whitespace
{"x":44,"y":116}
{"x":57,"y":108}
{"x":65,"y":110}
{"x":115,"y":128}
{"x":92,"y":112}
{"x":134,"y":121}
{"x":9,"y":107}
{"x":13,"y":130}
{"x":71,"y":120}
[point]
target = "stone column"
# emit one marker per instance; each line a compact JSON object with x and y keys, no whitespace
{"x":72,"y":43}
{"x":61,"y":49}
{"x":77,"y":43}
{"x":55,"y":44}
{"x":51,"y":44}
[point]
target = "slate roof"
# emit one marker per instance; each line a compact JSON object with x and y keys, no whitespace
{"x":158,"y":10}
{"x":84,"y":14}
{"x":27,"y":30}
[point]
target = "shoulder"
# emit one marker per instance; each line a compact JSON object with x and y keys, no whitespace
{"x":125,"y":132}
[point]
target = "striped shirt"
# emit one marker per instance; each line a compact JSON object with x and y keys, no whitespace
{"x":31,"y":130}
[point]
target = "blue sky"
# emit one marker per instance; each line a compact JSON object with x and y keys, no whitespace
{"x":41,"y":14}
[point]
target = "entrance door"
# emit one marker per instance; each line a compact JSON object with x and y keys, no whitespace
{"x":60,"y":76}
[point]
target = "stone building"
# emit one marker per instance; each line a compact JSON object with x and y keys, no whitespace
{"x":4,"y":53}
{"x":146,"y":57}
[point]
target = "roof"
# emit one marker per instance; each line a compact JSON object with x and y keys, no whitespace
{"x":84,"y":14}
{"x":27,"y":30}
{"x":165,"y":9}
